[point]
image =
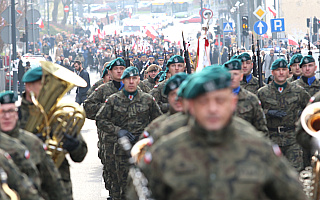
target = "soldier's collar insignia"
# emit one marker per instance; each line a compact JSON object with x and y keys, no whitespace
{"x":130,"y":96}
{"x":280,"y":89}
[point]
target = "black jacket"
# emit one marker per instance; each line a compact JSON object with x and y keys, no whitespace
{"x":80,"y":90}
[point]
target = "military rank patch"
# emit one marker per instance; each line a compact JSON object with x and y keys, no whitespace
{"x":27,"y":154}
{"x":312,"y":99}
{"x":147,"y":157}
{"x":276,"y":150}
{"x":106,"y":101}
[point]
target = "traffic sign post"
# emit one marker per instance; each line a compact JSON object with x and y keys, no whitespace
{"x":260,"y":12}
{"x":207,"y":13}
{"x":277,"y":25}
{"x":227,"y":27}
{"x":260,"y":27}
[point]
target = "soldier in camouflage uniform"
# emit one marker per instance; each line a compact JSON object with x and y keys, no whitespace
{"x":283,"y":103}
{"x":294,"y":65}
{"x":152,"y":72}
{"x":249,"y":82}
{"x":76,"y":147}
{"x":106,"y":140}
{"x":174,"y":65}
{"x":51,"y":185}
{"x":127,"y":113}
{"x":248,"y":107}
{"x":105,"y":78}
{"x":308,"y":80}
{"x":16,"y":180}
{"x":218,"y":155}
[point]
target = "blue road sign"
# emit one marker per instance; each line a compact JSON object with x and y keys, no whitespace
{"x":227,"y":27}
{"x":277,"y":25}
{"x":260,"y":27}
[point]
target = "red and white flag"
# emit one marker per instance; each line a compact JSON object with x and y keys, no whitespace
{"x":151,"y":32}
{"x":203,"y":53}
{"x":133,"y":44}
{"x":273,"y":11}
{"x":40,"y":23}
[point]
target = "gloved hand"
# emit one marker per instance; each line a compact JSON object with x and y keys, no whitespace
{"x":277,"y":113}
{"x":70,"y":143}
{"x":123,"y":133}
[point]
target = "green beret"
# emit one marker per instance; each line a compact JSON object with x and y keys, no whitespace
{"x":117,"y":62}
{"x":7,"y":97}
{"x":306,"y":59}
{"x":158,"y":75}
{"x":244,"y":57}
{"x":233,"y":64}
{"x":105,"y":71}
{"x":175,"y":59}
{"x":130,"y":71}
{"x":203,"y":82}
{"x":32,"y":75}
{"x":163,"y":77}
{"x":296,"y":58}
{"x":174,"y":82}
{"x":279,"y":63}
{"x":234,"y":57}
{"x":183,"y":85}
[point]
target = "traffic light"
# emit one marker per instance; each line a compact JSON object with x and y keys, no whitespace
{"x":217,"y":30}
{"x":23,"y":39}
{"x":315,"y":25}
{"x":245,"y":29}
{"x":308,"y":22}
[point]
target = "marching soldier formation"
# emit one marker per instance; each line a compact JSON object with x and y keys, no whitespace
{"x":212,"y":134}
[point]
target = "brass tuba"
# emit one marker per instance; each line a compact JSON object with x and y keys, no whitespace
{"x":310,"y":177}
{"x":52,"y":118}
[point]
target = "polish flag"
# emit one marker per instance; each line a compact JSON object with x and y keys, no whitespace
{"x":203,"y":52}
{"x":151,"y":32}
{"x":40,"y":23}
{"x":133,"y":43}
{"x":273,"y":11}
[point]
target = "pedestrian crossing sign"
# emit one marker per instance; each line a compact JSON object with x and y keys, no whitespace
{"x":227,"y":27}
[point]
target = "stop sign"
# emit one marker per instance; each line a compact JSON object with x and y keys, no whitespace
{"x":66,"y":9}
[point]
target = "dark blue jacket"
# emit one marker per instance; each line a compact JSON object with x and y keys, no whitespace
{"x":85,"y":75}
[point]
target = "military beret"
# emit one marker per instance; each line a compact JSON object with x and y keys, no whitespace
{"x":244,"y":57}
{"x":175,"y":59}
{"x":279,"y":63}
{"x":234,"y":57}
{"x":163,"y":77}
{"x":7,"y":97}
{"x":158,"y":75}
{"x":306,"y":59}
{"x":233,"y":64}
{"x":203,"y":82}
{"x":296,"y":58}
{"x":174,"y":82}
{"x":153,"y":67}
{"x":117,"y":62}
{"x":105,"y":70}
{"x":32,"y":75}
{"x":130,"y":71}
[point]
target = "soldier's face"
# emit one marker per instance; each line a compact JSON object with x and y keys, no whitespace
{"x":308,"y":70}
{"x":296,"y":70}
{"x":213,"y":110}
{"x":8,"y":117}
{"x":116,"y":72}
{"x":175,"y":103}
{"x":280,"y":75}
{"x":175,"y":68}
{"x":143,"y":58}
{"x":153,"y":73}
{"x":160,"y":61}
{"x":131,"y":83}
{"x":247,"y":67}
{"x":236,"y":77}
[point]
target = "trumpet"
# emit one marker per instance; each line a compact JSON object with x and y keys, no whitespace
{"x":310,"y":177}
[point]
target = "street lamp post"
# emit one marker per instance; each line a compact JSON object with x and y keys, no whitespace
{"x":237,"y":7}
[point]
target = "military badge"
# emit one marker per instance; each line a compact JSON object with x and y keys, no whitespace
{"x":176,"y":60}
{"x":147,"y":157}
{"x":306,"y":60}
{"x":280,"y":89}
{"x":118,"y":62}
{"x":130,"y":97}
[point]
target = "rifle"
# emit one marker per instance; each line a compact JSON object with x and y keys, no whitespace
{"x":309,"y":48}
{"x":288,"y":58}
{"x":259,"y":66}
{"x":165,"y":56}
{"x":186,"y":56}
{"x":254,"y":59}
{"x":299,"y":42}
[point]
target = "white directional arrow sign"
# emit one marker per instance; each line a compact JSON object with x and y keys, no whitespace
{"x":260,"y":27}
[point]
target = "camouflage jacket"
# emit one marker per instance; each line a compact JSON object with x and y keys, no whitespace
{"x":162,"y":100}
{"x":119,"y":112}
{"x":291,"y":79}
{"x":311,"y":89}
{"x":24,"y":110}
{"x":50,"y":177}
{"x":252,"y":86}
{"x":150,"y":83}
{"x":144,"y":87}
{"x":292,"y":100}
{"x":249,"y":109}
{"x":20,"y":155}
{"x":17,"y":180}
{"x":233,"y":163}
{"x":95,"y":101}
{"x":94,"y":86}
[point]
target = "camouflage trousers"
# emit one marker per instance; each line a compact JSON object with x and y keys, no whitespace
{"x":294,"y":155}
{"x":122,"y":170}
{"x":68,"y":186}
{"x":109,"y":169}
